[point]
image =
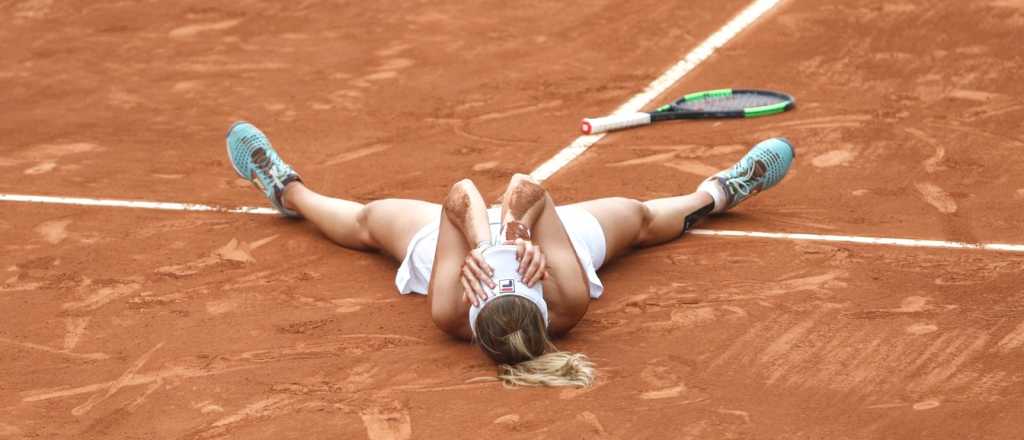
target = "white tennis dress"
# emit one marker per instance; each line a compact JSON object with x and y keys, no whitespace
{"x":584,"y":231}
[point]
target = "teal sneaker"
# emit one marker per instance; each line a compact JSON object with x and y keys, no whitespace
{"x":255,"y":159}
{"x":761,"y":168}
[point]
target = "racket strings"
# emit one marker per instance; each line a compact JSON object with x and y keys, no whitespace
{"x":736,"y":101}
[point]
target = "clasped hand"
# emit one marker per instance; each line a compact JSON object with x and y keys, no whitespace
{"x":476,"y":272}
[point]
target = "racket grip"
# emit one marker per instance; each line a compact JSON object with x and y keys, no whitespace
{"x":614,"y":122}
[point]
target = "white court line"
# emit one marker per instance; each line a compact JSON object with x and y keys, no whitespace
{"x":882,"y":241}
{"x":659,"y":85}
{"x":907,"y":242}
{"x":133,"y":204}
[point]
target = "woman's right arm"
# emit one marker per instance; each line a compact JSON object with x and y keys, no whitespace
{"x":458,"y":270}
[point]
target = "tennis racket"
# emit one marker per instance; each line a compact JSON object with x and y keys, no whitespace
{"x":721,"y":103}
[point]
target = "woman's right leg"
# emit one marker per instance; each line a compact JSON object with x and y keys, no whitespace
{"x":388,"y":225}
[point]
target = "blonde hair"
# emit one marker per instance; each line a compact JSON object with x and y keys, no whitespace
{"x":512,"y":332}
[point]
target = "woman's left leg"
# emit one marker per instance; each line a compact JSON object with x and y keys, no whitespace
{"x":629,"y":223}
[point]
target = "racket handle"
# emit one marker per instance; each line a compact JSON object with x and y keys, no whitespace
{"x":614,"y":122}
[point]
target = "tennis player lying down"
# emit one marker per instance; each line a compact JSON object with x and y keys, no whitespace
{"x":508,"y":277}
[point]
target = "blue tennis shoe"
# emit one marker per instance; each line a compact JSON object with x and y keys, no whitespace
{"x":761,"y":168}
{"x":255,"y":159}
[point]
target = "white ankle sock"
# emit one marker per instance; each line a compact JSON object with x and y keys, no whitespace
{"x":717,"y":193}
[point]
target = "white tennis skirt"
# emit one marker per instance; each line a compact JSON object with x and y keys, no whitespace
{"x":584,"y":231}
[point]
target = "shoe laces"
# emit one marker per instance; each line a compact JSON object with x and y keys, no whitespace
{"x":746,"y":183}
{"x":266,"y":164}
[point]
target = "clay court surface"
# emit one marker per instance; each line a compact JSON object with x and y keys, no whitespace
{"x":127,"y":323}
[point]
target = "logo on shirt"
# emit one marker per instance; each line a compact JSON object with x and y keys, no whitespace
{"x":506,"y":286}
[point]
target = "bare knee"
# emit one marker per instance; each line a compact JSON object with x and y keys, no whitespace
{"x":642,"y":214}
{"x":645,"y":213}
{"x":629,"y":208}
{"x":363,"y":218}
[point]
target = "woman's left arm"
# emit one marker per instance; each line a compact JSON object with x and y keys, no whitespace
{"x":531,"y":219}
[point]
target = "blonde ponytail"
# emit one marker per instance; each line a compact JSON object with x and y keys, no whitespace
{"x":511,"y":331}
{"x":556,"y":369}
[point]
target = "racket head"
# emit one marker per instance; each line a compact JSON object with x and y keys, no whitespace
{"x":730,"y":103}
